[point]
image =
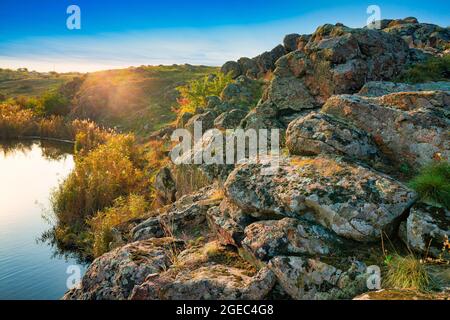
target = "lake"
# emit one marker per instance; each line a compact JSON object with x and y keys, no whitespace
{"x":29,"y":268}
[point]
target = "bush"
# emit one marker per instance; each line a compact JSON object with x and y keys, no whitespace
{"x":102,"y":224}
{"x":433,"y":184}
{"x":195,"y":92}
{"x":52,"y":103}
{"x":106,"y":173}
{"x":16,"y":122}
{"x":433,"y":69}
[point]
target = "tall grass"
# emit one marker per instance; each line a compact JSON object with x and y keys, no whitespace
{"x":407,"y":273}
{"x":433,"y":69}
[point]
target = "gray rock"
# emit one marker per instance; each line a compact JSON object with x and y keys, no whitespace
{"x":353,"y":201}
{"x":312,"y":279}
{"x":426,"y":230}
{"x":114,"y":275}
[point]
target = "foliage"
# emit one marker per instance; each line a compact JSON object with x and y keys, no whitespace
{"x":195,"y":92}
{"x":16,"y":122}
{"x":406,"y":273}
{"x":106,"y":173}
{"x":102,"y":224}
{"x":433,"y":69}
{"x":433,"y":184}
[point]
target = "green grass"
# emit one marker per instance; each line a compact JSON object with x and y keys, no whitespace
{"x":407,"y":273}
{"x":433,"y":69}
{"x":433,"y":184}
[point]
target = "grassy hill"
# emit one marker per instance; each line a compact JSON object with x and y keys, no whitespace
{"x":138,"y":99}
{"x":14,"y":83}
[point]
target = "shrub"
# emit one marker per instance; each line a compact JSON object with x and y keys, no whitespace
{"x":106,"y":173}
{"x":88,"y":135}
{"x":16,"y":122}
{"x":53,"y":103}
{"x":433,"y":184}
{"x":195,"y":92}
{"x":406,"y":273}
{"x":433,"y":69}
{"x":102,"y":224}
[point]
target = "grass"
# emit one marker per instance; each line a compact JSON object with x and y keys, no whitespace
{"x":407,"y":273}
{"x":433,"y":184}
{"x":433,"y":69}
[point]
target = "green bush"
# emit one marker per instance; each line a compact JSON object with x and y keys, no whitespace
{"x":52,"y":103}
{"x":433,"y":184}
{"x":195,"y":92}
{"x":433,"y":69}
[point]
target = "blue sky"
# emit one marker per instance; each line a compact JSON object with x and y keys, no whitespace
{"x":116,"y":34}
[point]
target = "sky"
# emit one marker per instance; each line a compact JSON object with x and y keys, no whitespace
{"x":117,"y":34}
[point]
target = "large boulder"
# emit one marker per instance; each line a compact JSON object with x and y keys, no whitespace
{"x":114,"y":275}
{"x":426,"y":230}
{"x":289,"y":236}
{"x":311,"y":279}
{"x":232,"y":68}
{"x":186,"y":214}
{"x":408,"y":127}
{"x":319,"y":133}
{"x":216,"y":282}
{"x":353,"y":201}
{"x":207,"y":272}
{"x":230,"y":119}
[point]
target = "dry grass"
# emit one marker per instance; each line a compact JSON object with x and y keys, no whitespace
{"x":407,"y":273}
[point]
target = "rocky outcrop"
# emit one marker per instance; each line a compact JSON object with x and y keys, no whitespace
{"x":381,"y":88}
{"x":230,"y":119}
{"x":425,"y":36}
{"x":353,"y":201}
{"x":255,"y":67}
{"x":426,"y":230}
{"x":411,"y":127}
{"x":114,"y":275}
{"x":335,"y":60}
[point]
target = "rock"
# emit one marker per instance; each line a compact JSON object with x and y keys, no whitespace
{"x":418,"y":35}
{"x":233,"y":68}
{"x":250,"y":67}
{"x":165,"y":186}
{"x":228,"y":223}
{"x":411,"y":127}
{"x":230,"y":119}
{"x":289,"y":236}
{"x":398,"y":294}
{"x":381,"y":88}
{"x":353,"y":201}
{"x":334,"y":60}
{"x":266,"y":61}
{"x":290,"y":93}
{"x":206,"y":119}
{"x":216,"y":282}
{"x":114,"y":275}
{"x":290,"y":42}
{"x":188,"y":215}
{"x":312,"y":279}
{"x":427,"y":228}
{"x":243,"y":93}
{"x":319,"y":133}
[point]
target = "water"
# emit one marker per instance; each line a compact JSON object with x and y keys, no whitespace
{"x":29,"y":171}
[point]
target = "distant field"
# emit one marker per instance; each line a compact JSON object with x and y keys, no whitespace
{"x":23,"y":83}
